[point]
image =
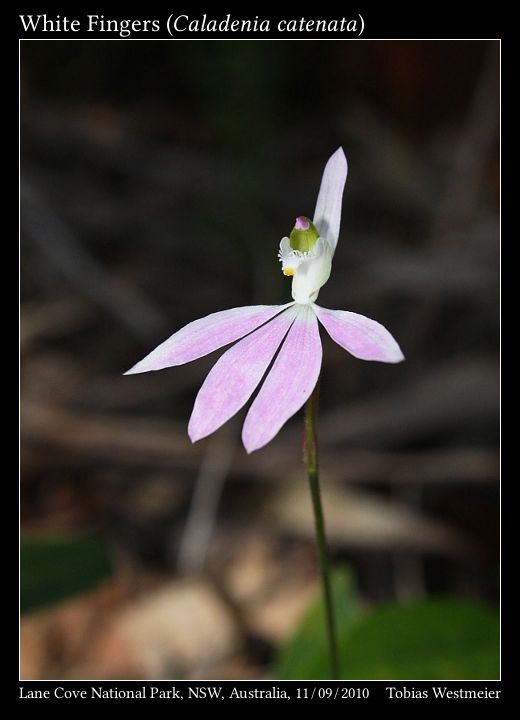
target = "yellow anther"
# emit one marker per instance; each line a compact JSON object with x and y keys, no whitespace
{"x":288,"y":271}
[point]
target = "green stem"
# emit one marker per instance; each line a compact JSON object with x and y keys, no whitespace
{"x":311,"y":462}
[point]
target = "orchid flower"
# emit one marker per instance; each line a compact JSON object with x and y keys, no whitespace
{"x":286,"y":334}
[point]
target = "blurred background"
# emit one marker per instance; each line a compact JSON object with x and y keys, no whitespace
{"x":157,"y":181}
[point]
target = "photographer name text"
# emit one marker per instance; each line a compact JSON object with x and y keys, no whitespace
{"x":271,"y":692}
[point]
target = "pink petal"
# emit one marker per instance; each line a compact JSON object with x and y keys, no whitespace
{"x":209,"y":333}
{"x":289,"y":383}
{"x":327,"y":215}
{"x":364,"y":338}
{"x":232,"y":380}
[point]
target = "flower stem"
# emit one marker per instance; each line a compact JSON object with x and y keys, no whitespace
{"x":311,"y":462}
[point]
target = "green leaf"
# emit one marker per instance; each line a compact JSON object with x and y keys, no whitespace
{"x":53,"y":568}
{"x":305,"y":654}
{"x":437,"y":639}
{"x":433,"y":639}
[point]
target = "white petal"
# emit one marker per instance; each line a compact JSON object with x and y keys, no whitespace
{"x":364,"y":338}
{"x":289,"y":383}
{"x":312,"y":273}
{"x":205,"y":335}
{"x":327,"y":215}
{"x":234,"y":377}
